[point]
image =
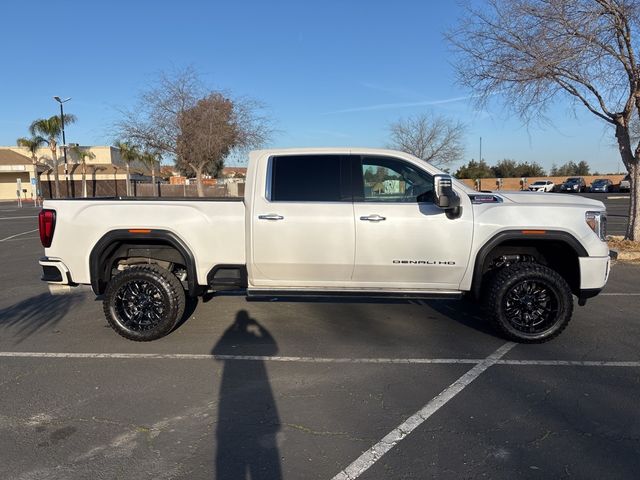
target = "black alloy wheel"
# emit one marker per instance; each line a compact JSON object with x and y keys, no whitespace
{"x":531,"y":307}
{"x":140,"y":305}
{"x":528,"y":302}
{"x":144,"y":302}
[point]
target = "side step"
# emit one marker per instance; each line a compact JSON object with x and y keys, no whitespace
{"x":310,"y":295}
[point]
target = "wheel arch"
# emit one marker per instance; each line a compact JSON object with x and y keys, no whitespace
{"x":101,"y":256}
{"x":542,"y":241}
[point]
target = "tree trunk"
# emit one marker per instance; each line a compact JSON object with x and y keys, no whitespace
{"x":633,"y":228}
{"x":54,"y":159}
{"x":84,"y":179}
{"x":128,"y":181}
{"x":199,"y":182}
{"x":632,"y":164}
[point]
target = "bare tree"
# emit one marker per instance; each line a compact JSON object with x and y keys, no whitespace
{"x":165,"y":116}
{"x":153,"y":122}
{"x":531,"y":52}
{"x":434,"y":139}
{"x":214,"y":127}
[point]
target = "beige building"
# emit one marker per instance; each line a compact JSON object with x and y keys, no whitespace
{"x":16,"y":163}
{"x":13,"y":167}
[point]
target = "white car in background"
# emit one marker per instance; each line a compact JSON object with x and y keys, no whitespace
{"x":542,"y":186}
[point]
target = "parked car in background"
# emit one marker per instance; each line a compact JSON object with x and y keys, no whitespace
{"x":625,"y":184}
{"x":542,"y":186}
{"x":574,"y":185}
{"x":601,"y":185}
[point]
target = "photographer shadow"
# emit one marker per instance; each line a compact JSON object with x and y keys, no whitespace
{"x":248,"y":419}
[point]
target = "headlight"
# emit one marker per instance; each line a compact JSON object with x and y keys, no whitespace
{"x":597,"y":222}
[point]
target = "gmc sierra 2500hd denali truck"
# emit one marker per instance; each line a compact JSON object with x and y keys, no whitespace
{"x":333,"y":223}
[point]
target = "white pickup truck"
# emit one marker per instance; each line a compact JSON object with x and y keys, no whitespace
{"x":333,"y":223}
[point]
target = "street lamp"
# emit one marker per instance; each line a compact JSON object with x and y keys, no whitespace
{"x":64,"y":141}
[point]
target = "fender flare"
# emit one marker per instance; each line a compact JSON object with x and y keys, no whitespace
{"x":98,"y":257}
{"x":497,"y":239}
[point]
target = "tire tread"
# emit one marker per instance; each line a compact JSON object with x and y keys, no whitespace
{"x":176,"y":292}
{"x":495,"y":291}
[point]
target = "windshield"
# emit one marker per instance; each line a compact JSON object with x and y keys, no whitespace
{"x":540,"y":183}
{"x":573,"y":180}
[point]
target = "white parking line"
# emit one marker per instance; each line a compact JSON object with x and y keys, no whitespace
{"x":620,"y":294}
{"x":258,"y":358}
{"x":569,"y":363}
{"x":264,"y":358}
{"x":13,"y":218}
{"x":18,"y":234}
{"x":371,"y":456}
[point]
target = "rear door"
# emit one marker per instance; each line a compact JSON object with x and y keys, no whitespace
{"x":303,"y":230}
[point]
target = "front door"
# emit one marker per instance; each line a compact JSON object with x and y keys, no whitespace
{"x":403,"y":240}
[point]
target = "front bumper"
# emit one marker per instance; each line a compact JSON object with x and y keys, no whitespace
{"x":594,"y":272}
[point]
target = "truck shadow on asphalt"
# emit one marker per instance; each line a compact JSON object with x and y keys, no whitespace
{"x":27,"y":317}
{"x":248,"y":418}
{"x":464,"y":312}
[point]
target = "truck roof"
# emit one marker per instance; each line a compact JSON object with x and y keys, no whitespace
{"x":326,"y":150}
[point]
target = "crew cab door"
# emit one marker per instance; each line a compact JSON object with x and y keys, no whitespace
{"x":403,"y":240}
{"x":303,"y":233}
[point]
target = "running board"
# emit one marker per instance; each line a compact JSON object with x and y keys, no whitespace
{"x":259,"y":294}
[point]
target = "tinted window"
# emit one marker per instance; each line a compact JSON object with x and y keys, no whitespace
{"x":309,"y":178}
{"x":393,"y":180}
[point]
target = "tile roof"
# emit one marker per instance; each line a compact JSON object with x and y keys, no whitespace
{"x":9,"y":157}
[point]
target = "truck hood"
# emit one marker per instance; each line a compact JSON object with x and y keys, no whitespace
{"x":557,"y":199}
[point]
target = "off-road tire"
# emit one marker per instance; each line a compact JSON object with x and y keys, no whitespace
{"x":503,"y":298}
{"x":151,"y":292}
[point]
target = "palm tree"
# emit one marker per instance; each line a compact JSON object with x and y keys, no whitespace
{"x":151,"y":160}
{"x":33,"y":144}
{"x":129,"y":153}
{"x":50,"y":130}
{"x":83,"y":154}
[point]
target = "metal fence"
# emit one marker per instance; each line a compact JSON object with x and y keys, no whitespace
{"x":118,"y":188}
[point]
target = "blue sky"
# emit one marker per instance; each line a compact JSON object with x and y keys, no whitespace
{"x":332,"y":73}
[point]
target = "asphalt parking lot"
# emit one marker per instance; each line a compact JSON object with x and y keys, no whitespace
{"x":310,"y":390}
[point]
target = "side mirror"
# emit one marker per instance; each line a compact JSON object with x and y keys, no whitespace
{"x":443,"y":194}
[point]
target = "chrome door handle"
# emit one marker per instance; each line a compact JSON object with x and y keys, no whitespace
{"x":373,"y":218}
{"x":271,"y":216}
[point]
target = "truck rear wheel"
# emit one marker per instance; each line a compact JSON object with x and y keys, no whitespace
{"x":529,"y":303}
{"x":144,"y":302}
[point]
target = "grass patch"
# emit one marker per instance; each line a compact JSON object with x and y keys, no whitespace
{"x":619,"y":243}
{"x":628,"y":251}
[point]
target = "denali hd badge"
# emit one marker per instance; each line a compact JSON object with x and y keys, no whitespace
{"x":424,"y":262}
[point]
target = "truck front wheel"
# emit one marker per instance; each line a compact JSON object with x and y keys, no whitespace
{"x":144,"y":302}
{"x":529,"y":303}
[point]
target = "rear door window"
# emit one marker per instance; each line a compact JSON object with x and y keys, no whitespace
{"x":310,"y":178}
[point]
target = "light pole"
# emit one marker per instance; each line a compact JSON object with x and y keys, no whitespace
{"x":64,"y":141}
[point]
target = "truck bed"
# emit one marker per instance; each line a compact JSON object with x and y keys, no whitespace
{"x":212,"y":228}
